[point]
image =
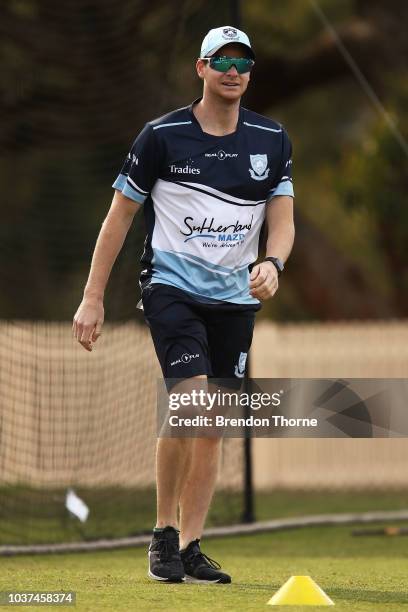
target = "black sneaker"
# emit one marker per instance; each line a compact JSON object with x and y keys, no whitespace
{"x":200,"y":568}
{"x":164,"y":556}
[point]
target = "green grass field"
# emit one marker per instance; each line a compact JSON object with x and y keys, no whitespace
{"x":359,"y":574}
{"x":35,"y":516}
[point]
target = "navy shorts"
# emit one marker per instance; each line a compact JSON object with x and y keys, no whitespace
{"x":192,"y":337}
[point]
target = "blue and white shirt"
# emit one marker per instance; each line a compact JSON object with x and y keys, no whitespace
{"x":204,"y":199}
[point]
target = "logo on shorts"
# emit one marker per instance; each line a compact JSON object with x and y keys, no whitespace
{"x":240,"y":368}
{"x":185,"y":358}
{"x":259,"y":170}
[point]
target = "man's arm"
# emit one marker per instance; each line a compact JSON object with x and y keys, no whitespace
{"x":281,"y":234}
{"x":89,"y":317}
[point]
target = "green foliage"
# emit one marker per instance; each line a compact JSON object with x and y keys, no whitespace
{"x":286,"y":26}
{"x":376,"y":181}
{"x":78,"y":82}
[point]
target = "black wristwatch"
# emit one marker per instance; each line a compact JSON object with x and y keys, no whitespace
{"x":277,"y":263}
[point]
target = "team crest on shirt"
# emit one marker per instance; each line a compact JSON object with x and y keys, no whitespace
{"x":259,"y":170}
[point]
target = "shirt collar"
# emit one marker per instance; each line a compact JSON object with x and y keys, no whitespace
{"x":194,"y":119}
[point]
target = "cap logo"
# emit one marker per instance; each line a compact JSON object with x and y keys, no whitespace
{"x":229,"y":33}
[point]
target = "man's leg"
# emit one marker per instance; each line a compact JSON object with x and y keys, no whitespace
{"x":198,"y":488}
{"x":172,"y":457}
{"x":195,"y":499}
{"x":180,"y":339}
{"x":173,"y":460}
{"x":230,"y":336}
{"x":186,"y":472}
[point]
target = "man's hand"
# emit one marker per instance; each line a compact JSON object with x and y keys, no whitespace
{"x":88,"y":322}
{"x":263,"y":282}
{"x":89,"y":317}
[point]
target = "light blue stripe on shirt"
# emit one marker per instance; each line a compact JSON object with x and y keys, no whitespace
{"x":122,"y":185}
{"x":284,"y":188}
{"x":201,"y":278}
{"x":163,"y":125}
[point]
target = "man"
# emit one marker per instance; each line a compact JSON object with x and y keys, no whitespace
{"x":207,"y":176}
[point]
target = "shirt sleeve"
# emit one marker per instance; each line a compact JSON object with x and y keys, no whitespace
{"x":139,"y":171}
{"x":284,"y":185}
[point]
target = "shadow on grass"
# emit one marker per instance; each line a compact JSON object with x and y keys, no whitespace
{"x":344,"y":594}
{"x":314,"y":542}
{"x":369,"y":596}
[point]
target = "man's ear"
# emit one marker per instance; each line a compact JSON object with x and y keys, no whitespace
{"x":200,"y":65}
